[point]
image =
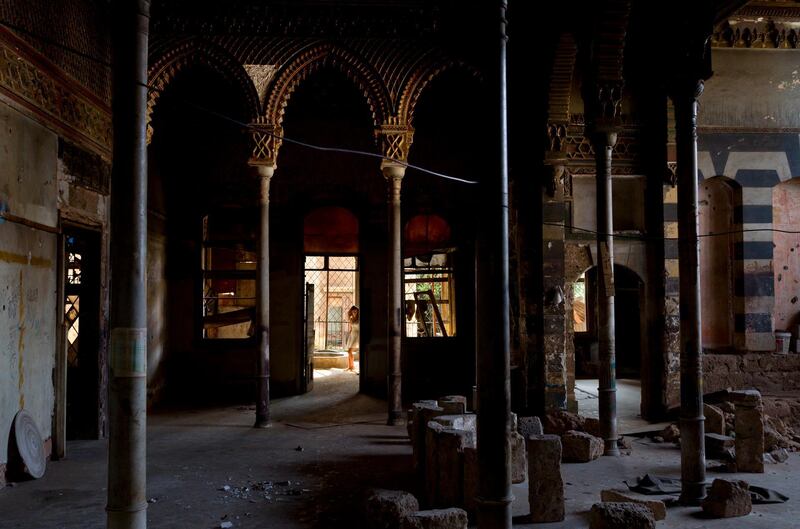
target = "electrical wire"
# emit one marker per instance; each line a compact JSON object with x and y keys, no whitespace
{"x":249,"y":126}
{"x":356,"y":152}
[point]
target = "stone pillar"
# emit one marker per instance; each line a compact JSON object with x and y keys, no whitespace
{"x":749,"y":426}
{"x":493,"y":328}
{"x":604,"y":141}
{"x":394,"y":172}
{"x":693,"y":470}
{"x":267,"y":140}
{"x":395,"y":139}
{"x":127,"y":454}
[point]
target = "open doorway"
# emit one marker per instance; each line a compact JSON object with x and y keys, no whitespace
{"x":629,"y":313}
{"x":81,"y":319}
{"x":332,"y":337}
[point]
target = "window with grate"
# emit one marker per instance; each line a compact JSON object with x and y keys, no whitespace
{"x":335,"y":280}
{"x":72,"y":304}
{"x":429,"y":296}
{"x":229,"y":279}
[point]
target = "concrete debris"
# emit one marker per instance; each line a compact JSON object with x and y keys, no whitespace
{"x":545,"y":484}
{"x":727,"y":499}
{"x":580,"y":447}
{"x":657,"y":507}
{"x":780,"y":455}
{"x":265,"y":490}
{"x":453,"y":404}
{"x":225,"y":525}
{"x":385,"y":509}
{"x":616,"y":515}
{"x":671,"y":433}
{"x":625,"y":443}
{"x":436,"y":519}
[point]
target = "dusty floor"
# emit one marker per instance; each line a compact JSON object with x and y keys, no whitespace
{"x":346,"y":448}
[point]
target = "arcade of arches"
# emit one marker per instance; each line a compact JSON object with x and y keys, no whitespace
{"x":246,"y":246}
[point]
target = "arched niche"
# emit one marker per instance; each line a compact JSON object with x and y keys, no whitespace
{"x":786,"y":254}
{"x":717,"y":227}
{"x":330,"y":230}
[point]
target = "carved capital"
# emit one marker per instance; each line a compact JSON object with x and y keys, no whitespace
{"x":267,"y":139}
{"x":394,"y":140}
{"x":393,"y":173}
{"x":558,"y":180}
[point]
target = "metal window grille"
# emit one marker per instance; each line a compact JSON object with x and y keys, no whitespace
{"x":335,"y":280}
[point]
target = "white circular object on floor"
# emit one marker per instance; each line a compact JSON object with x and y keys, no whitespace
{"x":29,"y":445}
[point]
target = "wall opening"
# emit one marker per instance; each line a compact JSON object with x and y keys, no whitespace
{"x":81,"y":320}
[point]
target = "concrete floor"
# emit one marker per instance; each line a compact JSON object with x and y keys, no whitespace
{"x":629,"y":399}
{"x":346,"y":447}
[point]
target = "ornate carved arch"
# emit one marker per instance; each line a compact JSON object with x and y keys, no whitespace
{"x":192,"y":52}
{"x":419,"y":81}
{"x":310,"y":60}
{"x":560,"y":91}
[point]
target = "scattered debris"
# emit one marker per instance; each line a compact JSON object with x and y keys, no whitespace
{"x":615,"y":515}
{"x":225,"y":525}
{"x":266,"y":490}
{"x":727,"y":499}
{"x":152,"y":500}
{"x":299,"y":449}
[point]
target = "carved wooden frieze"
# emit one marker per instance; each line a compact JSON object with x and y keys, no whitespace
{"x":40,"y":89}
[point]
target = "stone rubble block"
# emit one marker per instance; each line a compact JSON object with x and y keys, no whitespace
{"x":717,"y":445}
{"x":545,"y":484}
{"x":671,"y":433}
{"x":453,"y":404}
{"x":436,"y":519}
{"x":449,"y":484}
{"x":466,"y":421}
{"x":385,"y":509}
{"x":715,"y":419}
{"x":727,"y":499}
{"x":581,"y":447}
{"x":431,"y":465}
{"x":657,"y":507}
{"x":559,"y":422}
{"x":592,"y":426}
{"x":527,"y":426}
{"x":616,"y":515}
{"x":519,"y":459}
{"x":422,"y":416}
{"x":746,"y":397}
{"x":749,"y":441}
{"x":470,"y":490}
{"x":414,"y":411}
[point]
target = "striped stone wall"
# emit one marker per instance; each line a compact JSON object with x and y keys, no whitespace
{"x":756,"y":161}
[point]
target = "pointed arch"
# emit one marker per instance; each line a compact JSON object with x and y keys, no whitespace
{"x":419,"y":80}
{"x":193,"y":52}
{"x":312,"y":59}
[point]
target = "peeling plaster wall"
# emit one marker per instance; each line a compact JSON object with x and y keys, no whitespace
{"x":753,"y":88}
{"x":27,"y":273}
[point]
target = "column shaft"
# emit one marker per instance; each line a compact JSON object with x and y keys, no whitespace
{"x":606,"y":323}
{"x":265,"y":173}
{"x":127,"y":500}
{"x":693,"y":468}
{"x":394,"y":178}
{"x":493,"y":332}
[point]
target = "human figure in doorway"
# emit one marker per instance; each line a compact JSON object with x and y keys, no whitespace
{"x":353,"y":316}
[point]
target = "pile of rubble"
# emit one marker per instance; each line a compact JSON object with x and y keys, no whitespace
{"x":739,"y":434}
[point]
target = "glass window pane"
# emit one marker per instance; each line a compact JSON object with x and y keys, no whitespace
{"x":315,"y":262}
{"x":342,"y":263}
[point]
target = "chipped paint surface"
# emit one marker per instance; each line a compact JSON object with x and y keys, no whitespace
{"x":27,"y":275}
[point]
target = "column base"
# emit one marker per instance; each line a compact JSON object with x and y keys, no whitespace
{"x":495,"y":513}
{"x":395,"y":419}
{"x":132,"y":519}
{"x":692,"y":493}
{"x":262,"y":423}
{"x":610,"y":447}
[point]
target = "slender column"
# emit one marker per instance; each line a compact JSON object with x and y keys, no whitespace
{"x":127,"y":500}
{"x":493,"y":340}
{"x":693,"y":468}
{"x":394,"y":172}
{"x":603,"y":144}
{"x":265,"y":173}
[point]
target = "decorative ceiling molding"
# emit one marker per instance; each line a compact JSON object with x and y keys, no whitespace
{"x":756,"y":34}
{"x":38,"y":88}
